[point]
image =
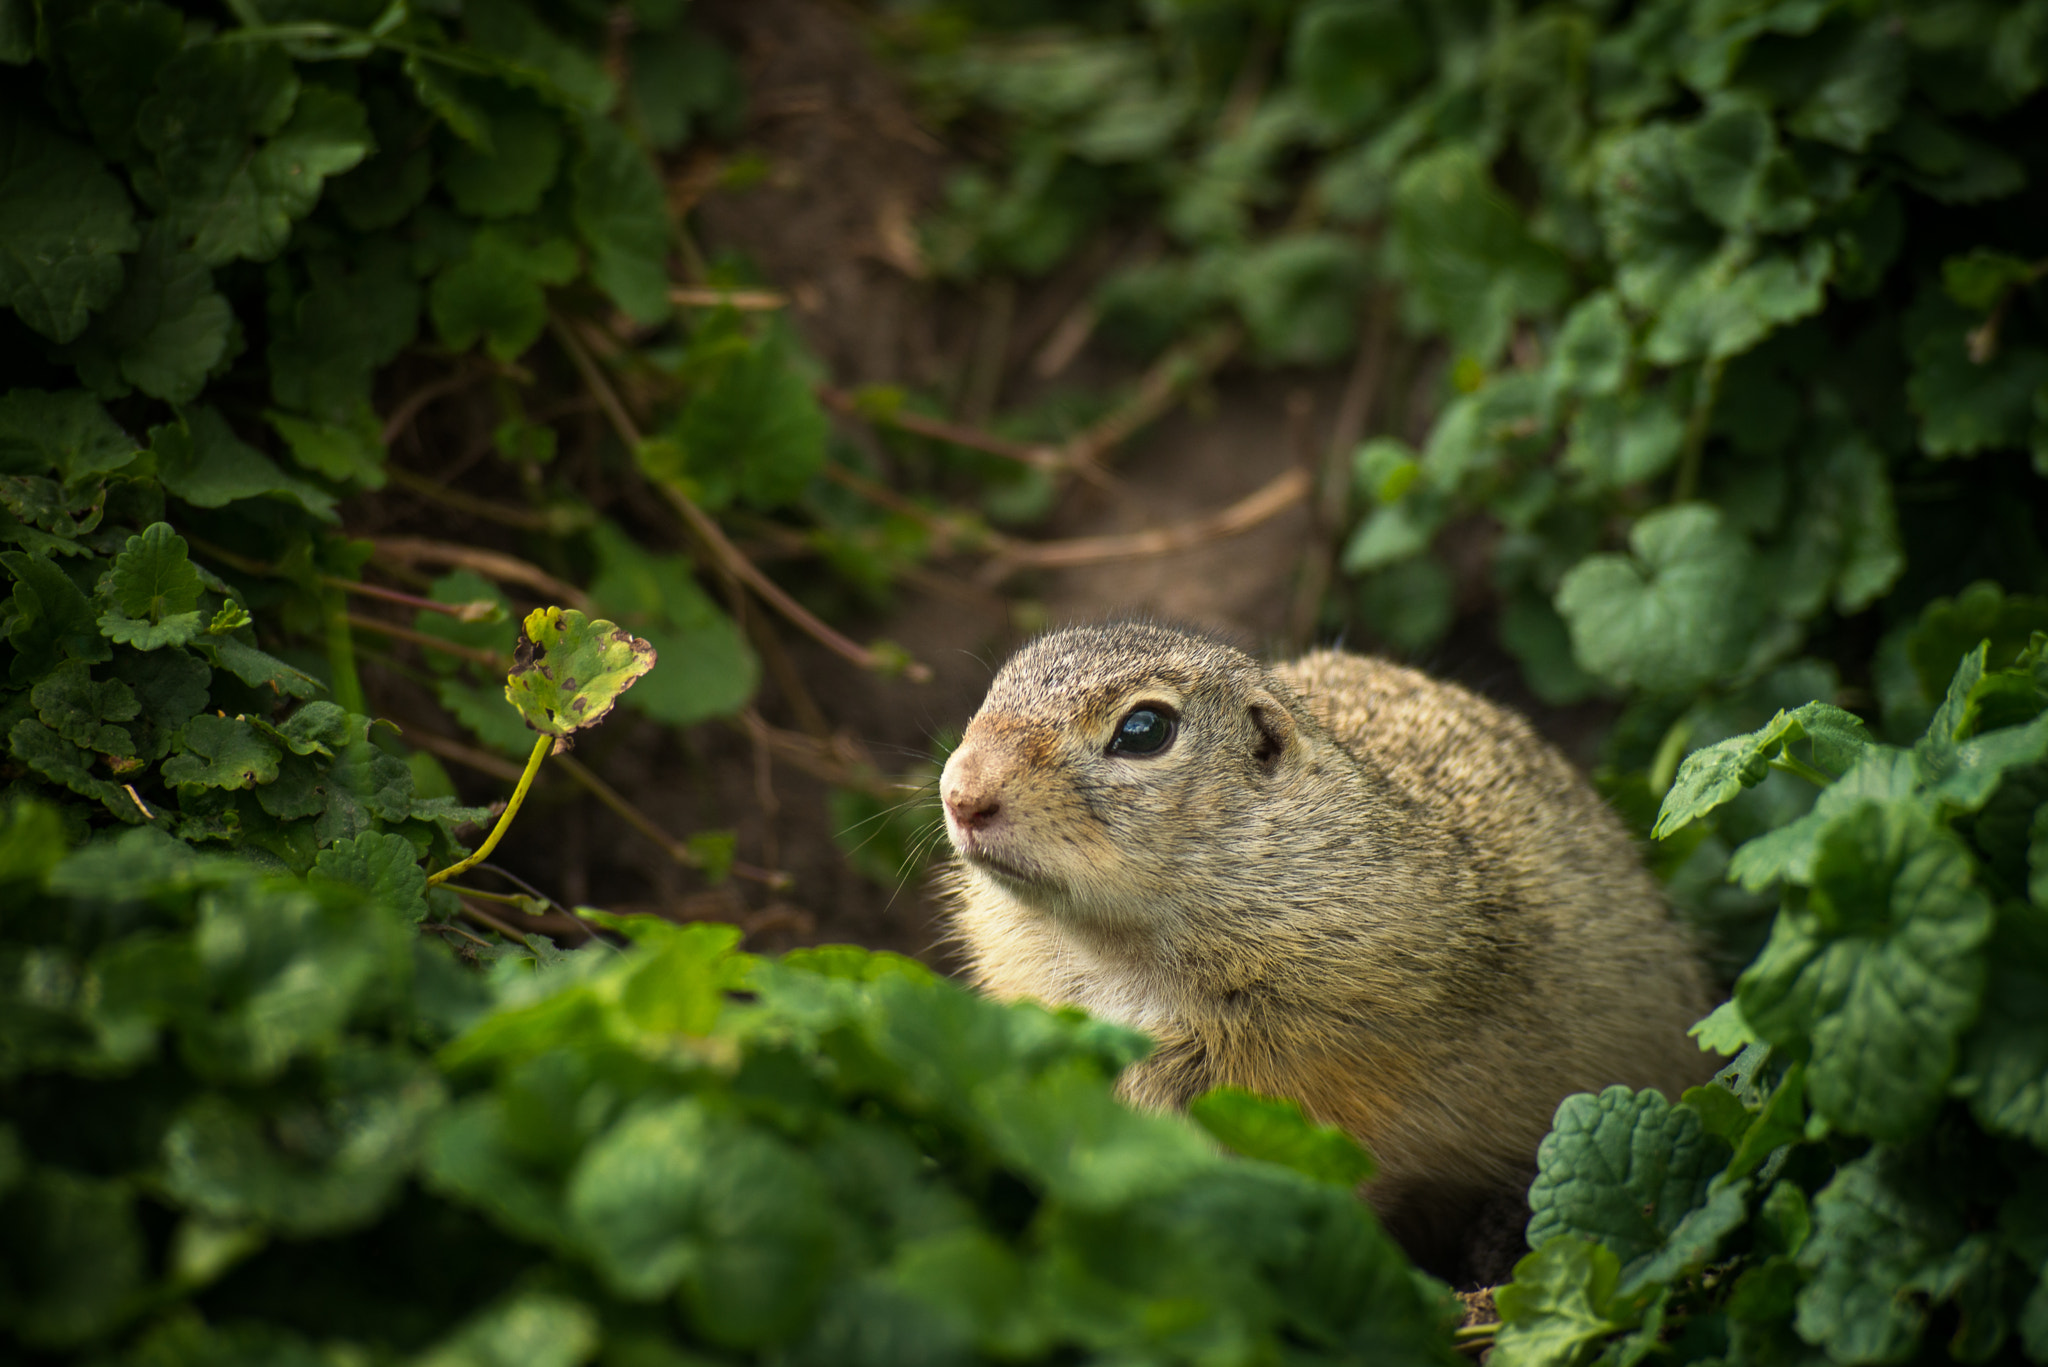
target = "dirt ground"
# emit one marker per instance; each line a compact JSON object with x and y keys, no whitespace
{"x":831,"y":224}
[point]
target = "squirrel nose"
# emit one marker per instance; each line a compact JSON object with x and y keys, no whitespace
{"x":973,"y":810}
{"x":973,"y":797}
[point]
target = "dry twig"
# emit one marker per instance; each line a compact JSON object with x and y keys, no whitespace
{"x":1263,"y":503}
{"x":721,"y":550}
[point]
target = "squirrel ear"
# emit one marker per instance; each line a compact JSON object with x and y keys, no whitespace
{"x":1276,"y":727}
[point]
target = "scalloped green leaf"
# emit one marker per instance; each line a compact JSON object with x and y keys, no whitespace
{"x":1875,"y":975}
{"x":64,"y":223}
{"x":383,"y":865}
{"x":1671,"y":616}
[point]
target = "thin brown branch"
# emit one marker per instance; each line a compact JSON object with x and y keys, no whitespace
{"x":468,"y":756}
{"x":505,"y":569}
{"x":707,"y":529}
{"x":954,"y":532}
{"x":1042,"y":456}
{"x":675,"y":849}
{"x":415,"y":403}
{"x":704,"y":297}
{"x":490,"y":659}
{"x":523,"y":519}
{"x":1273,"y":498}
{"x":1162,"y":383}
{"x":461,"y":612}
{"x":839,"y":760}
{"x":1333,"y":482}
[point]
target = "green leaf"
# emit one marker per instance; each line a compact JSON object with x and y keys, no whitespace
{"x":1981,"y":278}
{"x":201,"y":460}
{"x":259,"y":670}
{"x":1861,"y":93}
{"x":1410,"y":605}
{"x":84,"y":712}
{"x":352,"y":317}
{"x":568,"y":671}
{"x":221,"y":752}
{"x":1966,"y":774}
{"x":1738,"y":174}
{"x":64,"y":223}
{"x":508,"y":177}
{"x":534,"y":55}
{"x":525,"y":1329}
{"x":32,"y":841}
{"x":707,"y":668}
{"x":752,"y":428}
{"x":622,"y":216}
{"x":1350,"y":58}
{"x":1884,"y":1247}
{"x":1966,"y":405}
{"x":51,"y":618}
{"x":336,"y":1165}
{"x":67,"y":432}
{"x":1625,"y":1168}
{"x":381,"y":864}
{"x":675,"y":1194}
{"x":153,"y":589}
{"x":223,"y":193}
{"x":1782,"y":1121}
{"x":1738,"y":298}
{"x":1471,"y":265}
{"x":1625,"y":440}
{"x":1719,"y":772}
{"x":1561,"y":1302}
{"x":112,"y":55}
{"x":1673,"y":616}
{"x":163,"y":333}
{"x":2004,"y":1069}
{"x":350,"y":451}
{"x":495,"y":292}
{"x":1949,"y":165}
{"x":63,"y":763}
{"x":1276,"y":1130}
{"x":1877,"y":973}
{"x":1657,"y":240}
{"x":1299,"y":296}
{"x":77,"y":1259}
{"x":1066,"y":1132}
{"x":1592,"y":351}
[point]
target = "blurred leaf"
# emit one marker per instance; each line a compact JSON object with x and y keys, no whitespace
{"x":64,"y":223}
{"x":1672,"y":616}
{"x":1277,"y":1131}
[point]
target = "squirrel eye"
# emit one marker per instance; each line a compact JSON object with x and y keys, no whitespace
{"x":1145,"y":731}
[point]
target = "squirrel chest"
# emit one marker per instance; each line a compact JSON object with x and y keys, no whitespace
{"x":1335,"y":880}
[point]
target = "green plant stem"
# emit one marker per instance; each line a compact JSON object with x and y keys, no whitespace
{"x":483,"y":851}
{"x":341,"y":652}
{"x":1687,"y":486}
{"x":1792,"y":764}
{"x":510,"y":899}
{"x":1670,"y":750}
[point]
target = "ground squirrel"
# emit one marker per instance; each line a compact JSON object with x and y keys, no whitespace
{"x":1336,"y":880}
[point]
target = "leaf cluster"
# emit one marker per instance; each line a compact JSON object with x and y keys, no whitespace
{"x":1865,"y":1181}
{"x":671,"y":1153}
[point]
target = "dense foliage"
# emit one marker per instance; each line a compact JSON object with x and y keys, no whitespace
{"x":1728,"y":324}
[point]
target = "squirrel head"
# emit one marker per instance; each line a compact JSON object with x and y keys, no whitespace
{"x":1097,"y":777}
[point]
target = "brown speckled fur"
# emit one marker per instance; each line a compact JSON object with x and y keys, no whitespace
{"x":1342,"y":882}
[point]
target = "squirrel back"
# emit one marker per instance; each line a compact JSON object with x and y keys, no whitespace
{"x":1336,"y":880}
